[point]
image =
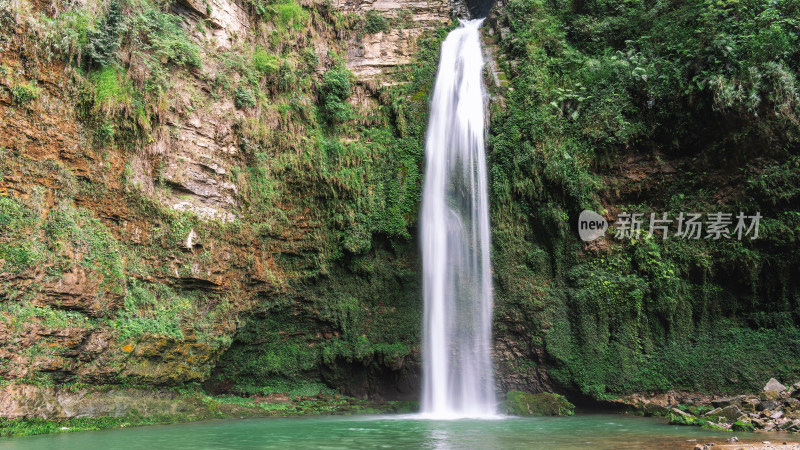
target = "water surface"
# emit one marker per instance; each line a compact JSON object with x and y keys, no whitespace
{"x":349,"y":432}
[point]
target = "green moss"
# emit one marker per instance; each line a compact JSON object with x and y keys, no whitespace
{"x":543,"y":404}
{"x":24,"y":93}
{"x":742,"y":426}
{"x":19,"y":249}
{"x":680,"y":419}
{"x":289,"y":14}
{"x":152,"y":309}
{"x":17,"y":315}
{"x":265,"y":63}
{"x":286,"y":14}
{"x":108,"y":85}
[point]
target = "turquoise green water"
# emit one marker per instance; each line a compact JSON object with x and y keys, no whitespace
{"x":582,"y":432}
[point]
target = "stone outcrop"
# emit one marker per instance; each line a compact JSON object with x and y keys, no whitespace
{"x":520,"y":366}
{"x":197,"y":168}
{"x":369,"y":56}
{"x":137,"y":406}
{"x":728,"y":401}
{"x":229,"y":21}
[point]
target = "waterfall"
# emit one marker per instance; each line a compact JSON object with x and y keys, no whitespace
{"x":457,"y":366}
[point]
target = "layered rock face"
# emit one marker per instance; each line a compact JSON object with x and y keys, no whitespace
{"x":173,"y":172}
{"x":371,"y":56}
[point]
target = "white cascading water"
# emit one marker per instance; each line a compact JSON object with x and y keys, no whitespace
{"x":458,"y":379}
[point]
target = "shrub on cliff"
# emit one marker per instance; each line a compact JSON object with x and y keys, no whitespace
{"x":336,"y":88}
{"x":103,"y":42}
{"x":375,"y":23}
{"x":264,"y":63}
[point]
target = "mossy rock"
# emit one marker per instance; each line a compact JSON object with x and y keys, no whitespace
{"x":545,"y":404}
{"x":742,"y":426}
{"x":652,"y":409}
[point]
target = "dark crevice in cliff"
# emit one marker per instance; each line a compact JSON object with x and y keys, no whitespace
{"x":479,"y":8}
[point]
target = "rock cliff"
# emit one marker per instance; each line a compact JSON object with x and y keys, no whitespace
{"x":174,"y":175}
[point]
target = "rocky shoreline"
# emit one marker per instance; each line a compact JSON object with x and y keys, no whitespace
{"x":775,"y":408}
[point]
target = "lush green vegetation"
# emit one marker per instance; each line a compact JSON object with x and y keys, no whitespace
{"x":366,"y":314}
{"x":701,"y":93}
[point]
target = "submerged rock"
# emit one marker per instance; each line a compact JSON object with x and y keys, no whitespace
{"x":544,"y":404}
